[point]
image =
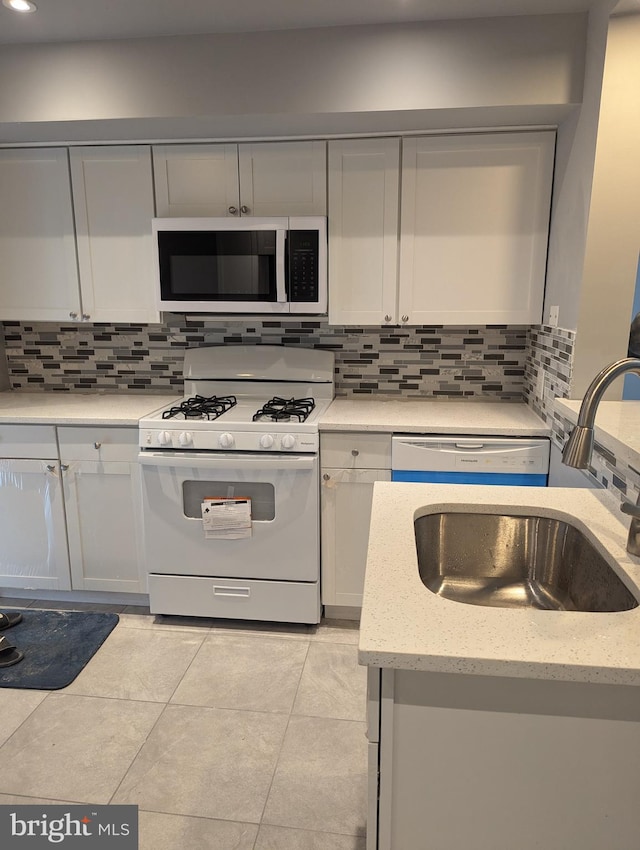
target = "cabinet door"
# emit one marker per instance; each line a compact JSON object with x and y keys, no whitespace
{"x":113,"y":203}
{"x":345,"y":518}
{"x":475,"y":220}
{"x":32,"y":527}
{"x":363,"y":231}
{"x":38,"y":271}
{"x":283,"y":178}
{"x":102,"y":500}
{"x":196,"y":180}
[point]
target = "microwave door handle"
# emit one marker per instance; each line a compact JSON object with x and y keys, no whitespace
{"x":281,"y":290}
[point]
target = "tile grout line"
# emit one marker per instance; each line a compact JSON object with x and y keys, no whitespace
{"x":284,"y":735}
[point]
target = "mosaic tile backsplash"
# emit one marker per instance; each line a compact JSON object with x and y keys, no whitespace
{"x":500,"y":363}
{"x":548,"y":376}
{"x":486,"y":362}
{"x":605,"y":470}
{"x":548,"y":368}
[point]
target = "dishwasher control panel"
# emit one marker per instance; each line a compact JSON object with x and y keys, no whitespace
{"x":471,"y":460}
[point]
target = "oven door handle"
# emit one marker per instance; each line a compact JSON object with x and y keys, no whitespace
{"x":229,"y":460}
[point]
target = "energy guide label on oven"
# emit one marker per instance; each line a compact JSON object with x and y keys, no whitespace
{"x":226,"y":518}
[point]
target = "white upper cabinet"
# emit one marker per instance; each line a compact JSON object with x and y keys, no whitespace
{"x":363,"y":231}
{"x":113,"y":203}
{"x":271,"y":178}
{"x":283,"y":178}
{"x":474,"y":227}
{"x":472,"y":223}
{"x":196,"y":180}
{"x":38,"y":270}
{"x":75,"y":239}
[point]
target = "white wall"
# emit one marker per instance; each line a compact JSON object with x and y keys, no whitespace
{"x":613,"y":235}
{"x":575,"y":154}
{"x":250,"y":81}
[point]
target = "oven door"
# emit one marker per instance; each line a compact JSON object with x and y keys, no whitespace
{"x":221,"y":265}
{"x":284,"y":541}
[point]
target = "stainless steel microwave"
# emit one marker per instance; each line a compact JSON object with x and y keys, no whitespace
{"x":246,"y":265}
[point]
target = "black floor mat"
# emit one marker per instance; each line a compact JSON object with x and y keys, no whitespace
{"x":56,"y":646}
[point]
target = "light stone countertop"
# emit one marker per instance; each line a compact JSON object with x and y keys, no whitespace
{"x":433,"y":416}
{"x":404,"y":625}
{"x":617,"y":426}
{"x":79,"y":408}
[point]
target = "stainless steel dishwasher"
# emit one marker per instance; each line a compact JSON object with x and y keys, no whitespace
{"x":468,"y":459}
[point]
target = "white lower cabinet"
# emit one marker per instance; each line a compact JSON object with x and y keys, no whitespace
{"x":33,"y":553}
{"x":69,"y":518}
{"x":102,"y":499}
{"x":497,"y":763}
{"x":350,"y":466}
{"x":32,"y":526}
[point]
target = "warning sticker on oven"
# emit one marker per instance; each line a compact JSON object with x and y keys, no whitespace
{"x":226,"y":518}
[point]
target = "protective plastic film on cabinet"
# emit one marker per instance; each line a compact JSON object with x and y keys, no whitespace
{"x":32,"y":529}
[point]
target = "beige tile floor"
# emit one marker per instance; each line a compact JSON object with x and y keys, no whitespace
{"x":225,"y":734}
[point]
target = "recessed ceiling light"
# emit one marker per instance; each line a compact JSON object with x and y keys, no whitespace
{"x":20,"y":5}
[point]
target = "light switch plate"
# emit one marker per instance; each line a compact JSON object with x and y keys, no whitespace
{"x":553,"y":316}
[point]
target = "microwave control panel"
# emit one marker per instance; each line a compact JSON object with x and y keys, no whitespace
{"x":303,"y":265}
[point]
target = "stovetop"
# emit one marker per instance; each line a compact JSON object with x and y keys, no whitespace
{"x":246,"y":425}
{"x":199,"y":407}
{"x":245,"y":398}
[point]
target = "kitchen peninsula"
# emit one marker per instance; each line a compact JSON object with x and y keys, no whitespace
{"x":476,"y":712}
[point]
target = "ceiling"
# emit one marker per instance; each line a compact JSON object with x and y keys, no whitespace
{"x":82,"y":20}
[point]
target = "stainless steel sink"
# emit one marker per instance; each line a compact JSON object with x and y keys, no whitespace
{"x":516,"y":562}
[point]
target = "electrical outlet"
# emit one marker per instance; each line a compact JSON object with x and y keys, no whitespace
{"x":553,"y":316}
{"x":540,"y":384}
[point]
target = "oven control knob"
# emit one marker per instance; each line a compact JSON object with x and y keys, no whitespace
{"x":266,"y":441}
{"x":288,"y":441}
{"x":226,"y":441}
{"x":185,"y":439}
{"x":164,"y":438}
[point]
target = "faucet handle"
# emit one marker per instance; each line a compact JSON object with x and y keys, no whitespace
{"x":633,"y":539}
{"x":631,"y":509}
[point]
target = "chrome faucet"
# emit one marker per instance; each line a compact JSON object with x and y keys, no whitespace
{"x":579,"y":446}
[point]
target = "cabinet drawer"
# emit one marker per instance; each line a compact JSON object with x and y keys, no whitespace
{"x":355,"y":450}
{"x":98,"y":443}
{"x":28,"y":441}
{"x":201,"y":596}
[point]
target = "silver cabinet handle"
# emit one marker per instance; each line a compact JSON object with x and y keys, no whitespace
{"x":97,"y":445}
{"x":73,"y":314}
{"x":405,"y":318}
{"x":85,"y":317}
{"x":64,"y":466}
{"x":326,"y":477}
{"x":387,"y":318}
{"x":233,"y":210}
{"x":244,"y":210}
{"x":355,"y":452}
{"x":50,"y":467}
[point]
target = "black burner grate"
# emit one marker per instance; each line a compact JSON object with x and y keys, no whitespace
{"x":283,"y":409}
{"x":199,"y":407}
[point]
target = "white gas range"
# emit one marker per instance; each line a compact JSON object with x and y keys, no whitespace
{"x":243,"y":447}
